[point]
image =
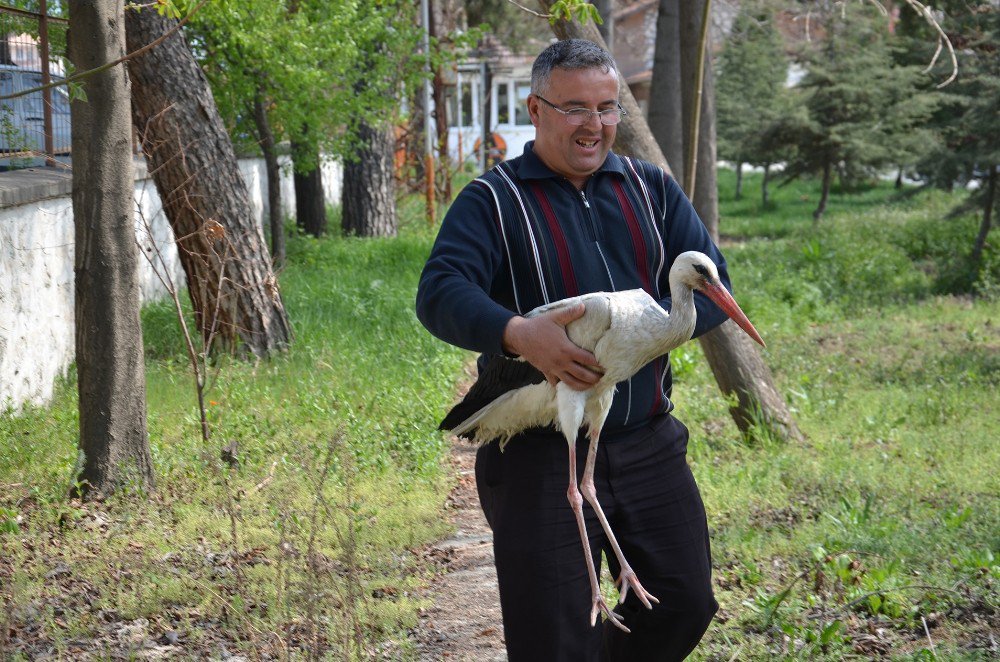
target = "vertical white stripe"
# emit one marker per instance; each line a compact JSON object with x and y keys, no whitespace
{"x":652,"y":223}
{"x":531,"y":235}
{"x":503,"y":232}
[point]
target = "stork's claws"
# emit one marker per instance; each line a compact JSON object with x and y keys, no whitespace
{"x":600,"y":606}
{"x":626,"y":580}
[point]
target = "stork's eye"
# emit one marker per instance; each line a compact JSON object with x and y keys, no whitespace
{"x":702,"y":271}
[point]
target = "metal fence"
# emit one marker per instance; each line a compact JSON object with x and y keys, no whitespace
{"x":34,"y":127}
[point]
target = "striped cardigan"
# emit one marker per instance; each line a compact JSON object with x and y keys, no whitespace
{"x":521,"y":236}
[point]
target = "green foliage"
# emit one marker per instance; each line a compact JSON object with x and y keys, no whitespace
{"x":857,"y":110}
{"x":750,"y":92}
{"x":319,"y":67}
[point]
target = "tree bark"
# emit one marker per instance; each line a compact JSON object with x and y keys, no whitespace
{"x":984,"y":228}
{"x":825,"y":191}
{"x":310,"y":199}
{"x":606,"y":9}
{"x":230,"y":281}
{"x":265,"y":138}
{"x":666,"y":112}
{"x":111,"y":373}
{"x":736,"y":363}
{"x":369,"y":207}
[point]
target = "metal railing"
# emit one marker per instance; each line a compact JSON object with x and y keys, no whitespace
{"x":32,"y":54}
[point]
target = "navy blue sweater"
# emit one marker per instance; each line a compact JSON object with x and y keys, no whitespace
{"x":521,"y":236}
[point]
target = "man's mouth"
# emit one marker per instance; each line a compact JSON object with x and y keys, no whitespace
{"x":586,"y":143}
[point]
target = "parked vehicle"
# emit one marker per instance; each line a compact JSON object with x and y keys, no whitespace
{"x":22,"y":119}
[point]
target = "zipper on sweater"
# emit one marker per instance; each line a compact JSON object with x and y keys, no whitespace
{"x":595,"y":231}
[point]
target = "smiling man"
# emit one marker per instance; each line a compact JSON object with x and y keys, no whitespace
{"x":568,"y":217}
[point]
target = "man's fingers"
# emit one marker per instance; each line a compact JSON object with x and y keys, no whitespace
{"x":564,"y":316}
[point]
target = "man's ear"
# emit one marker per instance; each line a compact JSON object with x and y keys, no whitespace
{"x":533,"y":102}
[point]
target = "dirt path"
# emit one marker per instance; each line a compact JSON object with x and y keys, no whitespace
{"x":464,"y":621}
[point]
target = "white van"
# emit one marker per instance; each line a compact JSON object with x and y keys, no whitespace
{"x":22,"y":124}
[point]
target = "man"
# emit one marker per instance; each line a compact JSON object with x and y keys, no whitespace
{"x":566,"y":218}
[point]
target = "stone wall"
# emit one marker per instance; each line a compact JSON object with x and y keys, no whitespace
{"x":36,"y":266}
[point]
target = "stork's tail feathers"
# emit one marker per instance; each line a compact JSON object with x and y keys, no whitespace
{"x":497,"y":381}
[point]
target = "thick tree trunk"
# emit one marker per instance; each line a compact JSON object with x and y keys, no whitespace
{"x":984,"y":228}
{"x":369,"y":207}
{"x":735,"y":361}
{"x":825,"y":191}
{"x":739,"y":181}
{"x":232,"y":286}
{"x":110,"y":370}
{"x":666,"y":112}
{"x":310,"y":199}
{"x":265,"y":137}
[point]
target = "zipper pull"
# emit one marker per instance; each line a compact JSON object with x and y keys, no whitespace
{"x":584,"y":198}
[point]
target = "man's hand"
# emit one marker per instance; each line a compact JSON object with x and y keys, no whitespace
{"x":542,"y":342}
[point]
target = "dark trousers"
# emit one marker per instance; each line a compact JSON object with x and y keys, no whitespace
{"x":651,"y":500}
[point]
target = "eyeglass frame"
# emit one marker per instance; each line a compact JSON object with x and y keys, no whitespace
{"x":601,"y":114}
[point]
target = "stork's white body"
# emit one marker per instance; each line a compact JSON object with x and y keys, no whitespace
{"x":625,"y":331}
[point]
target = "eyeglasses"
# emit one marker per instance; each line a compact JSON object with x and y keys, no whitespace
{"x":580,"y":116}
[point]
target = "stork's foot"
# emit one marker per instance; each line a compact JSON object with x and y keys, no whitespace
{"x":600,"y":606}
{"x":627,"y":580}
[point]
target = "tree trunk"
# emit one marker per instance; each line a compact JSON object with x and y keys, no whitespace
{"x":443,"y":174}
{"x":899,"y":179}
{"x":310,"y":199}
{"x":111,"y":373}
{"x":706,"y":193}
{"x":739,"y":181}
{"x":735,"y":361}
{"x":666,"y":112}
{"x":369,"y":207}
{"x":825,"y":192}
{"x":606,"y":9}
{"x":232,"y":287}
{"x":763,"y":186}
{"x":984,"y":228}
{"x":265,"y":137}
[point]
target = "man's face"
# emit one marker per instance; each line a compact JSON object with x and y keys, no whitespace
{"x":575,"y":152}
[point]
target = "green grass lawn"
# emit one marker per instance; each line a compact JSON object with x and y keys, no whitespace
{"x":885,"y":518}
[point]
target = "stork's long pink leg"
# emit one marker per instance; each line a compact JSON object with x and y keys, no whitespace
{"x":576,"y":502}
{"x":627,"y":579}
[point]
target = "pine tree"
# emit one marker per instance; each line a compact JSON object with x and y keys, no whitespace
{"x":968,"y":149}
{"x":860,"y":109}
{"x":750,"y":93}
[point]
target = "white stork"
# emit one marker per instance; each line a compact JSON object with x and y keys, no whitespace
{"x":625,"y":331}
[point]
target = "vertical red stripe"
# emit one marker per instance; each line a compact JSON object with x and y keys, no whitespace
{"x":635,"y":232}
{"x":657,"y":387}
{"x":558,"y":241}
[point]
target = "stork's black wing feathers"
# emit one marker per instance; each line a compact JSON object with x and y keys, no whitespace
{"x":497,"y":377}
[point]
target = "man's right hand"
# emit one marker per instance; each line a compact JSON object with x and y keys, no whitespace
{"x":542,"y":342}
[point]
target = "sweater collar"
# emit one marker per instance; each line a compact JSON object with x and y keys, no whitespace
{"x":531,"y":167}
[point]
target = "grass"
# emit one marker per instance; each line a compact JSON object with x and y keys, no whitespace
{"x":251,"y":575}
{"x":882,"y":523}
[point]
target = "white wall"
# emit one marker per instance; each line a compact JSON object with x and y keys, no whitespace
{"x":36,"y":276}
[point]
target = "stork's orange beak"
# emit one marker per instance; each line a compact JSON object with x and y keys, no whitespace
{"x":724,"y":300}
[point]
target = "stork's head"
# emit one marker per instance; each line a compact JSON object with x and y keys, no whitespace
{"x":697,"y":271}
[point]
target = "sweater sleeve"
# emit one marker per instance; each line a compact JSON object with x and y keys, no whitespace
{"x":684,"y":231}
{"x":453,"y":297}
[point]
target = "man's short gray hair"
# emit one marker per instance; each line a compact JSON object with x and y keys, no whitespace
{"x":570,"y":54}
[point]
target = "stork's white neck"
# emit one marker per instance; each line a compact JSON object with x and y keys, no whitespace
{"x":676,"y":329}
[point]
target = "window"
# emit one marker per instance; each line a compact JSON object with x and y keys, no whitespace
{"x":466,"y":99}
{"x":521,"y":117}
{"x":503,"y":104}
